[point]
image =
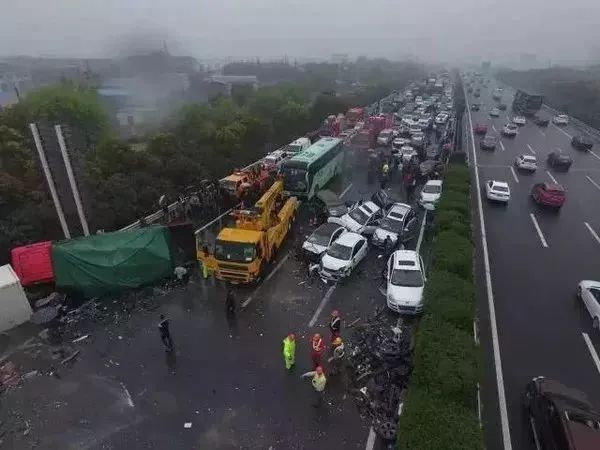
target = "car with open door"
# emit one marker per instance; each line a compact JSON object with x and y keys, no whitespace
{"x":320,"y":240}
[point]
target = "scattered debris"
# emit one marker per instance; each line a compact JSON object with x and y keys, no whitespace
{"x":354,"y":322}
{"x":81,"y":338}
{"x":70,"y":357}
{"x":380,"y":360}
{"x":9,"y":376}
{"x":187,"y":425}
{"x":44,"y":315}
{"x":54,"y":299}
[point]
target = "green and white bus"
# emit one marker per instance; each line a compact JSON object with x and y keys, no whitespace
{"x":310,"y":170}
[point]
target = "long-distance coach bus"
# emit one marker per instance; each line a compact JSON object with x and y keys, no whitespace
{"x":310,"y":170}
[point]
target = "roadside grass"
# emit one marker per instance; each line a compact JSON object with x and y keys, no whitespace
{"x":440,"y":411}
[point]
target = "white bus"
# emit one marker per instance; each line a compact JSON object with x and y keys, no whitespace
{"x":310,"y":170}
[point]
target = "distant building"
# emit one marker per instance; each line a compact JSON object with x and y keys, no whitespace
{"x":339,"y":58}
{"x":227,"y":81}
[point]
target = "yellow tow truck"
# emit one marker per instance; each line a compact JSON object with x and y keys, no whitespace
{"x":242,"y":253}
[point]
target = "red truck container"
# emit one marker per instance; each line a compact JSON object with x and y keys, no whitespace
{"x":33,"y":263}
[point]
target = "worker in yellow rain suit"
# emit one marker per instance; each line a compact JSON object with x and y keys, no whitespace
{"x":289,"y":350}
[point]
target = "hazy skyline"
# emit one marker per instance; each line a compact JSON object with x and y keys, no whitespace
{"x":433,"y":30}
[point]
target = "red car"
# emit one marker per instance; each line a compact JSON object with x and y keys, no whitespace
{"x":549,"y":194}
{"x":480,"y":128}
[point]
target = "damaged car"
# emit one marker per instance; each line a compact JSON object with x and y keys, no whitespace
{"x":399,"y":225}
{"x":320,"y":240}
{"x":343,"y":256}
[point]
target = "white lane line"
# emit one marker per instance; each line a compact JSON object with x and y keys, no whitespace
{"x":321,"y":306}
{"x":514,"y":174}
{"x":494,"y":128}
{"x":490,"y":296}
{"x":531,"y":149}
{"x":539,"y":230}
{"x":592,"y":350}
{"x":541,"y":132}
{"x":535,"y":436}
{"x":563,"y":131}
{"x":421,"y":232}
{"x":592,"y":232}
{"x":479,"y":406}
{"x":502,"y":146}
{"x":551,"y":177}
{"x":593,"y":182}
{"x":346,"y":190}
{"x":371,"y":440}
{"x":267,"y":278}
{"x":127,"y":396}
{"x":594,"y":154}
{"x":475,"y":333}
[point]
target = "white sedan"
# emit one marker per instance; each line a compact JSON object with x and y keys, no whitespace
{"x":560,"y":119}
{"x":497,"y":191}
{"x":343,"y":256}
{"x":363,"y":219}
{"x":510,"y":129}
{"x":430,"y":195}
{"x":589,"y":292}
{"x":405,"y":282}
{"x":519,"y":120}
{"x":526,"y":162}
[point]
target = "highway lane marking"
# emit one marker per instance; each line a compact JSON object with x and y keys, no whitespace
{"x":421,"y":232}
{"x":592,"y":232}
{"x":593,"y":182}
{"x":346,"y":190}
{"x":502,"y":146}
{"x":563,"y":131}
{"x":592,"y":350}
{"x":535,"y":436}
{"x":494,"y":128}
{"x":475,"y":333}
{"x":539,"y":230}
{"x":490,"y":297}
{"x":514,"y":174}
{"x":531,"y":149}
{"x":371,"y":439}
{"x":479,"y":405}
{"x":267,"y":278}
{"x":541,"y":132}
{"x":593,"y":154}
{"x":324,"y":301}
{"x":551,"y":177}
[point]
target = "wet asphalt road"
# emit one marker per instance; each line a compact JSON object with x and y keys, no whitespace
{"x":540,"y":322}
{"x":226,"y":378}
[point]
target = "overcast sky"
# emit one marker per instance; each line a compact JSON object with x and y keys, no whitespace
{"x":432,"y":29}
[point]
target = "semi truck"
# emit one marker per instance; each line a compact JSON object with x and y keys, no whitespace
{"x":526,"y":104}
{"x":243,"y":252}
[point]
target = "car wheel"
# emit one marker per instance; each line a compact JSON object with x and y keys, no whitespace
{"x":596,"y":323}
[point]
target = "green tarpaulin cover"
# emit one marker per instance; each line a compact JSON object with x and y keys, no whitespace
{"x":111,"y":262}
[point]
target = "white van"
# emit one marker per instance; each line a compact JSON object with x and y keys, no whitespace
{"x":298,"y":145}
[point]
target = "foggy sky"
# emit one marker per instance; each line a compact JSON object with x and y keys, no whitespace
{"x":430,"y":29}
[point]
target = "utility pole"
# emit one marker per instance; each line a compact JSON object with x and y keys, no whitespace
{"x":49,"y":180}
{"x":72,"y":181}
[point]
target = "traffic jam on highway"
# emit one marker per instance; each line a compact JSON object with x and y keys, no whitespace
{"x":325,"y":252}
{"x":537,"y":180}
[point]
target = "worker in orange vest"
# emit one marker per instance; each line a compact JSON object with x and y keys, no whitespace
{"x":317,"y":350}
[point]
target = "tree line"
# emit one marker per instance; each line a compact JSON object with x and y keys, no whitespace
{"x":125,"y":178}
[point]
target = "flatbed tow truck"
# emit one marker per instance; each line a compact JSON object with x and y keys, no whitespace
{"x":243,"y":252}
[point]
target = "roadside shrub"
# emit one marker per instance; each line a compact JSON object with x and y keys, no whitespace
{"x":456,"y":201}
{"x":456,"y":186}
{"x":450,"y":220}
{"x":445,"y":362}
{"x":433,"y":423}
{"x":453,"y":253}
{"x":458,"y":172}
{"x":450,"y":298}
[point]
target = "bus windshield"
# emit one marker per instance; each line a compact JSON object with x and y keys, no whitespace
{"x":240,"y":252}
{"x":294,"y":180}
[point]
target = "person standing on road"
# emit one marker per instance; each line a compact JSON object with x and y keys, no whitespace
{"x":230,"y":302}
{"x":165,"y":333}
{"x":335,"y":323}
{"x":388,"y":246}
{"x":337,"y":356}
{"x":317,"y":350}
{"x":319,"y":380}
{"x":289,"y":350}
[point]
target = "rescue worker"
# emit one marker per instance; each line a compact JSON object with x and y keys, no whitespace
{"x":385,"y":173}
{"x":335,"y":323}
{"x":337,"y":356}
{"x":319,"y":380}
{"x":205,"y":254}
{"x":317,"y":349}
{"x":289,"y":350}
{"x":165,"y":333}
